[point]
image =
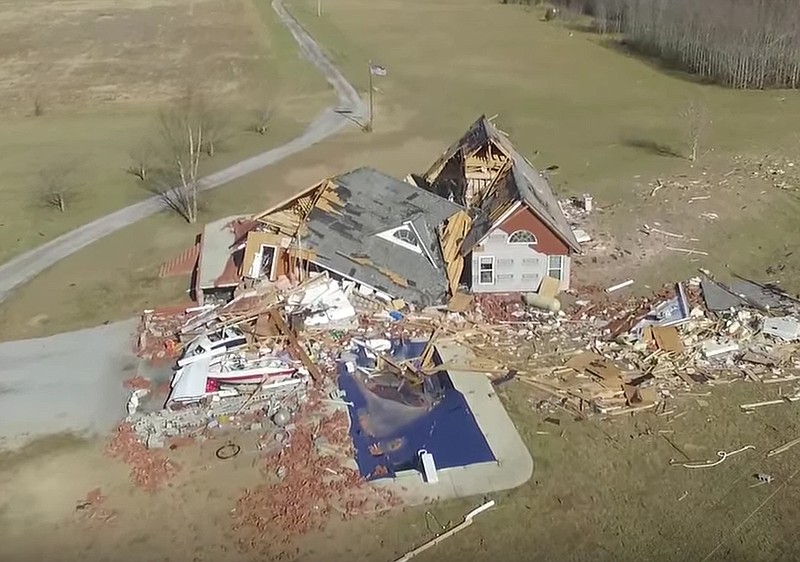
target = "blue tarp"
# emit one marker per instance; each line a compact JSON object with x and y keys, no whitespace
{"x":389,"y":433}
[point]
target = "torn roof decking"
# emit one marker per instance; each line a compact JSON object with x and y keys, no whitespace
{"x":338,"y":221}
{"x":519,"y":182}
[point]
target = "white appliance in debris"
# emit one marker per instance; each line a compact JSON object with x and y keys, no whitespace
{"x":428,"y":466}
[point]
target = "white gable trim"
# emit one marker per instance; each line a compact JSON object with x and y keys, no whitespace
{"x":422,"y":247}
{"x":389,"y":236}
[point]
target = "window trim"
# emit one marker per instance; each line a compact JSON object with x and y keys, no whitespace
{"x":493,"y":270}
{"x":513,"y":243}
{"x":562,"y":266}
{"x":406,"y":230}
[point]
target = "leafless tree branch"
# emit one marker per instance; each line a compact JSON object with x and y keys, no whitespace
{"x":57,"y":186}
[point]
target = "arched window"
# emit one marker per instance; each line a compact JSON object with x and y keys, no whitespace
{"x":522,"y":237}
{"x":405,"y":235}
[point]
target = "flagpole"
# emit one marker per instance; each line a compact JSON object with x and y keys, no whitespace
{"x":369,"y":124}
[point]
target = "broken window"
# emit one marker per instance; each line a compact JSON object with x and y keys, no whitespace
{"x":522,"y":237}
{"x":555,"y":267}
{"x":263,"y":263}
{"x":486,"y":270}
{"x":405,"y":235}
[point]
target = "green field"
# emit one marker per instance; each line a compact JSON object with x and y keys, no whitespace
{"x":102,"y":71}
{"x":601,"y":490}
{"x":611,"y":122}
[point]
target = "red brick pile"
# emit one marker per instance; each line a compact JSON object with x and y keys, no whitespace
{"x":91,"y":508}
{"x":150,"y":470}
{"x":157,"y":334}
{"x":137,"y":382}
{"x":312,"y":486}
{"x":498,"y":308}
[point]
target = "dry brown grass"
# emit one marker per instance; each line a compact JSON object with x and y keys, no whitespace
{"x":81,"y":54}
{"x":100,"y":71}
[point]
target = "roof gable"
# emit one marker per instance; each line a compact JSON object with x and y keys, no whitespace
{"x":504,"y":182}
{"x":338,"y":222}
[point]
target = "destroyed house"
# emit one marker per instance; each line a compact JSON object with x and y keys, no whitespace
{"x":515,"y":233}
{"x":362,"y":226}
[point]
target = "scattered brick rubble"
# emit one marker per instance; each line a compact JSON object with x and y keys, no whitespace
{"x":150,"y":470}
{"x":312,"y":483}
{"x":601,"y":355}
{"x":91,"y":509}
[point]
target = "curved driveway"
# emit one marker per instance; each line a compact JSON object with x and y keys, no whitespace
{"x":350,"y":106}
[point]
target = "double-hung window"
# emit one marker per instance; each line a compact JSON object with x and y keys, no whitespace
{"x":486,"y":273}
{"x":555,"y":267}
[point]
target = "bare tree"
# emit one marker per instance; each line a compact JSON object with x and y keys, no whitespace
{"x":38,"y":106}
{"x":141,"y":160}
{"x":263,"y":118}
{"x":181,"y":137}
{"x":215,"y":128}
{"x":57,"y":186}
{"x":209,"y":117}
{"x":697,"y":123}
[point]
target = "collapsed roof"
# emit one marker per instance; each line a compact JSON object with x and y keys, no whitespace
{"x":485,"y":173}
{"x":349,"y":225}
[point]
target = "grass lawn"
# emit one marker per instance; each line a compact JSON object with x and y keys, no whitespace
{"x":610,"y":121}
{"x":601,"y":490}
{"x":101,"y":71}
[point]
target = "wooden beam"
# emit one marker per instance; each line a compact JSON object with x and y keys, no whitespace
{"x":295,"y":345}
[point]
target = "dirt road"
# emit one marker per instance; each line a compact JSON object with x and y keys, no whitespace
{"x":350,"y":106}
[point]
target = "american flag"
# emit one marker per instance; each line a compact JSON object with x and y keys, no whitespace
{"x":377,"y":70}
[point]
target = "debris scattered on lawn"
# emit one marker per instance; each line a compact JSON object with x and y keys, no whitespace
{"x":312,"y":483}
{"x":91,"y":508}
{"x":150,"y":470}
{"x":468,"y":519}
{"x":619,"y":286}
{"x":723,"y":455}
{"x":783,"y":448}
{"x":137,"y":382}
{"x":228,"y":451}
{"x":762,"y":479}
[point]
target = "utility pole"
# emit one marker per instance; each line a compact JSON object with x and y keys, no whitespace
{"x":319,"y":8}
{"x":371,"y":93}
{"x":374,"y":70}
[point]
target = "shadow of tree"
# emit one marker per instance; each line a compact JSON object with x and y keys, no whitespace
{"x":651,"y":146}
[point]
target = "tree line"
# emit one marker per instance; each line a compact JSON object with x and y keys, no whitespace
{"x":737,"y":43}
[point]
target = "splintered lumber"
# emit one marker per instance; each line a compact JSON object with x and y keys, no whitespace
{"x":290,"y":202}
{"x":451,"y":237}
{"x":783,"y":448}
{"x":405,"y":371}
{"x":784,"y":400}
{"x":427,"y":354}
{"x":447,"y":534}
{"x":328,"y":199}
{"x":295,"y":345}
{"x":464,"y":368}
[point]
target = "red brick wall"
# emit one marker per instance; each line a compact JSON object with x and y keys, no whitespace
{"x":524,"y":219}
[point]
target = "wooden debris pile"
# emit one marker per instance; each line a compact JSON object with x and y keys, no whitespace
{"x":610,"y":357}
